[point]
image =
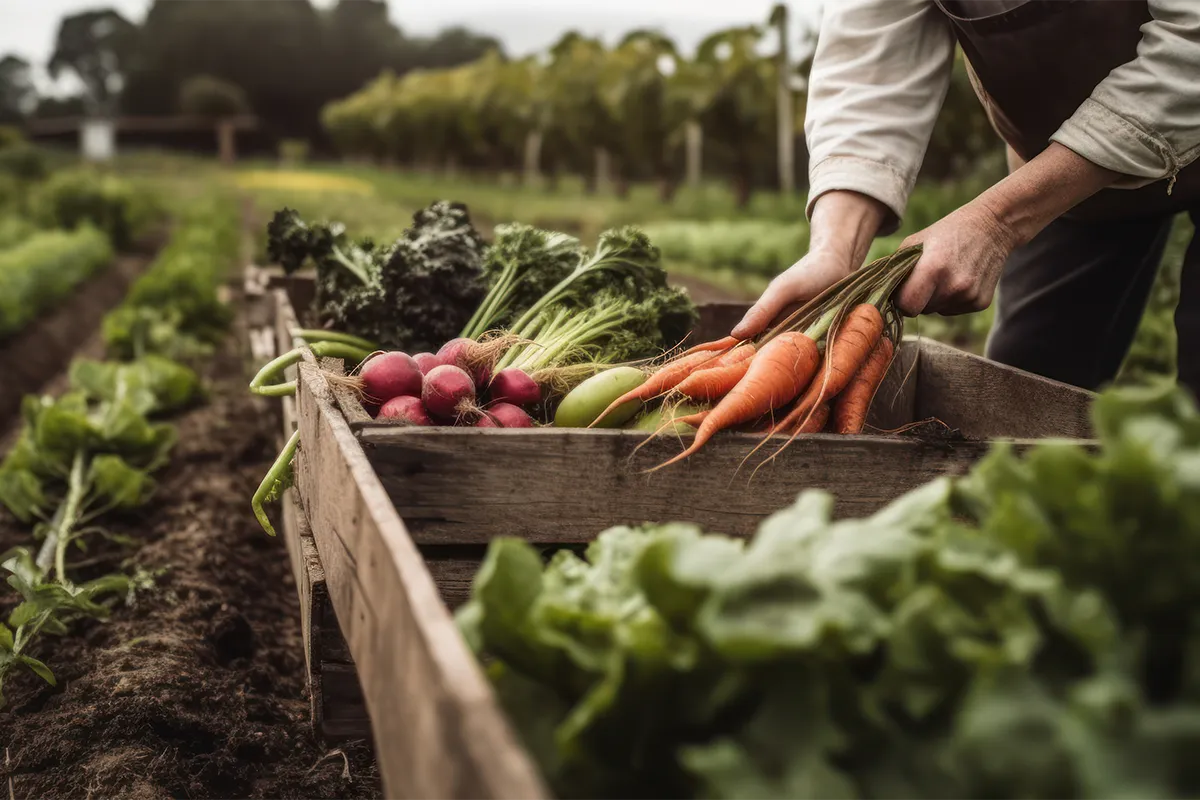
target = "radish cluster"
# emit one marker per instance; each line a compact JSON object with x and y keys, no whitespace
{"x":451,"y":387}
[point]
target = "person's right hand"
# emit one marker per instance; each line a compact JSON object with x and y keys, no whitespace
{"x":790,"y":289}
{"x":843,"y":226}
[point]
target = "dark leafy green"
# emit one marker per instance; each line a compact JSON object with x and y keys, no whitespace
{"x":1029,"y":630}
{"x":415,"y":294}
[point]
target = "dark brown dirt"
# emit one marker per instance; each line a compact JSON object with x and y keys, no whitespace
{"x":198,"y":690}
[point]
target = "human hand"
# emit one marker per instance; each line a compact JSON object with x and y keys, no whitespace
{"x":804,"y":280}
{"x":843,"y":225}
{"x":962,"y":257}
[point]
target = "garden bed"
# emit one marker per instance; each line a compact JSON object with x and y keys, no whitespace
{"x":400,"y":518}
{"x":38,"y":352}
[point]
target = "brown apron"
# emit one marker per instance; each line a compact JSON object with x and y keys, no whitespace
{"x":1034,"y":62}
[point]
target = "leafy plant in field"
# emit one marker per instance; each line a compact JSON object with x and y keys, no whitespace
{"x":174,"y":309}
{"x":91,"y":452}
{"x":74,"y":198}
{"x":42,"y":269}
{"x":1029,"y":630}
{"x":79,"y":457}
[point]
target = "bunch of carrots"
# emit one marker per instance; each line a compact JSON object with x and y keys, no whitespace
{"x":819,"y":367}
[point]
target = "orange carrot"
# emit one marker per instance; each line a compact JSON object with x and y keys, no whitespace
{"x":851,"y":346}
{"x":665,"y":379}
{"x":783,"y":367}
{"x":707,"y":347}
{"x":851,"y":406}
{"x":815,"y":422}
{"x":712,"y":383}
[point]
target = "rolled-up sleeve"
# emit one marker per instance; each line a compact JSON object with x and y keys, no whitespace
{"x":1143,"y":120}
{"x":879,"y":77}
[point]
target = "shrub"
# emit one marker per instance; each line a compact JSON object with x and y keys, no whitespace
{"x":83,"y":197}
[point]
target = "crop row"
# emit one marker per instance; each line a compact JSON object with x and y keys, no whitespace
{"x":87,"y":456}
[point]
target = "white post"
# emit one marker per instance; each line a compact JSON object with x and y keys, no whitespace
{"x":533,"y":155}
{"x":694,"y":139}
{"x":786,"y":114}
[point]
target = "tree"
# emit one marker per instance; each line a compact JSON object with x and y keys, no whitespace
{"x":17,"y":93}
{"x":212,"y":98}
{"x":360,"y":42}
{"x":96,"y":47}
{"x":272,"y":49}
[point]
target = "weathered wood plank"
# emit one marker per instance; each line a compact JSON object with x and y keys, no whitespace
{"x":438,"y":730}
{"x":557,"y":485}
{"x":992,"y":400}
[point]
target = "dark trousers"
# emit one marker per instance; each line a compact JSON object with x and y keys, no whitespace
{"x":1069,"y":302}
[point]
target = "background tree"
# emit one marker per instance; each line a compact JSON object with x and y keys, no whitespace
{"x":18,"y":97}
{"x":96,"y":47}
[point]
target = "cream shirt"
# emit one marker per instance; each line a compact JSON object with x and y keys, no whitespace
{"x":882,"y":68}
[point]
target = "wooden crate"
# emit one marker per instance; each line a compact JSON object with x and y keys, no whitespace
{"x":398,"y":535}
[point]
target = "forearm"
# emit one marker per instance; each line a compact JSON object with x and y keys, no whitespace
{"x":879,"y":74}
{"x":844,"y":223}
{"x":1042,"y":190}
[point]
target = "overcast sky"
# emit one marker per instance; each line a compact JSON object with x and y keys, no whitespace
{"x":28,"y":27}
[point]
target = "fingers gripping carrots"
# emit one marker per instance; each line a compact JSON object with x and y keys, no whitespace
{"x":851,"y":406}
{"x":820,"y":367}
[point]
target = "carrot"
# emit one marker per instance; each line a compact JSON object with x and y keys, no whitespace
{"x":777,"y":374}
{"x":707,"y":347}
{"x":851,"y":406}
{"x":815,"y":422}
{"x":665,"y":379}
{"x":851,"y":347}
{"x":713,"y":383}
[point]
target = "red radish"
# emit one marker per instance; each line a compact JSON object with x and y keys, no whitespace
{"x":514,"y":386}
{"x":426,"y":362}
{"x":485,"y":421}
{"x":457,"y":352}
{"x":467,"y":354}
{"x":447,"y":387}
{"x":405,"y":408}
{"x":509,"y":416}
{"x":391,"y":375}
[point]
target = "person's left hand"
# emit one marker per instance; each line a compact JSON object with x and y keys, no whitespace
{"x":960,"y":265}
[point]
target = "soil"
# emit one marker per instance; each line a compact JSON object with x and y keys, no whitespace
{"x":197,"y":690}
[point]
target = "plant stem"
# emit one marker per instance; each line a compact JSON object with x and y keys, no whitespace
{"x":312,"y":335}
{"x":278,"y":475}
{"x":54,"y":548}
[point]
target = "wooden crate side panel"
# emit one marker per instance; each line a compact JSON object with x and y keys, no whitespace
{"x":437,"y":727}
{"x":464,"y":486}
{"x":988,"y":400}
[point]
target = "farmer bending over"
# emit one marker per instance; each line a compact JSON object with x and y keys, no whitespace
{"x":1099,"y":104}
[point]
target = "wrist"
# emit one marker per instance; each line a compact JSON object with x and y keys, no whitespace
{"x":1042,"y":190}
{"x":844,"y":223}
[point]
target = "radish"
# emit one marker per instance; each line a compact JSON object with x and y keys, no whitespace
{"x":391,"y":375}
{"x":426,"y":362}
{"x":447,"y":391}
{"x":485,"y":421}
{"x":474,"y":358}
{"x":509,"y":416}
{"x":457,"y":352}
{"x":514,"y":386}
{"x":406,"y":409}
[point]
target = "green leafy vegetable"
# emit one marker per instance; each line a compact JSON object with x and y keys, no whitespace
{"x":415,"y":294}
{"x":1029,"y":630}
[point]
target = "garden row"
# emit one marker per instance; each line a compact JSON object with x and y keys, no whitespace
{"x":85,"y":458}
{"x":534,"y":611}
{"x":58,"y":229}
